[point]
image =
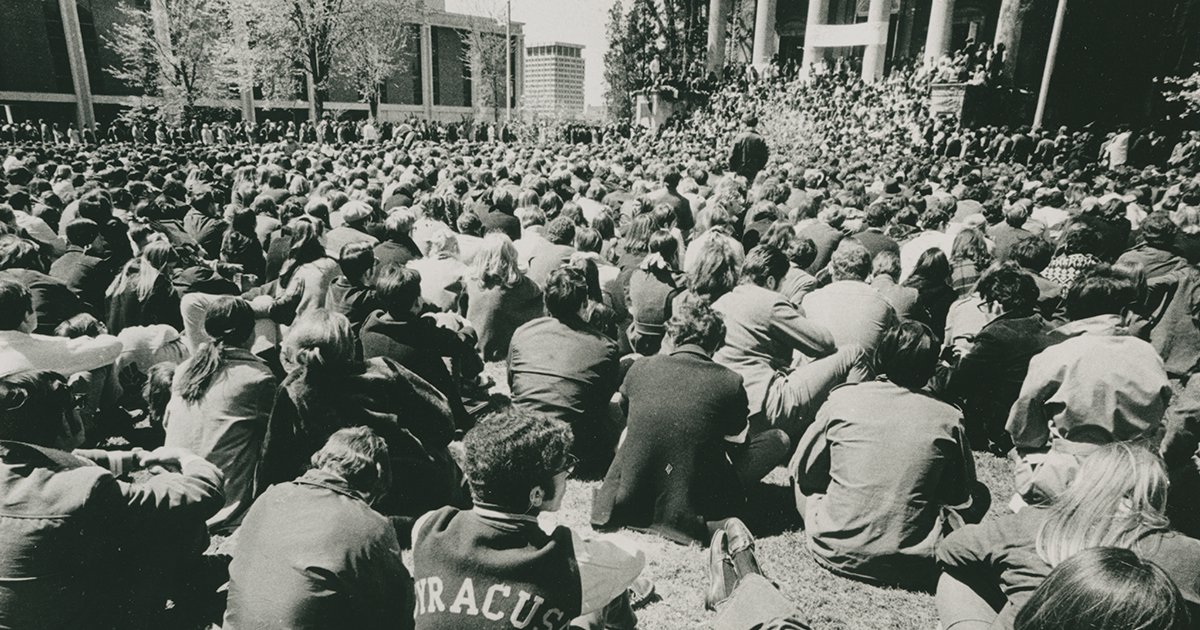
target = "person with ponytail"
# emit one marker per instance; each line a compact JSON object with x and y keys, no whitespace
{"x":142,"y":293}
{"x":220,"y":400}
{"x":328,"y":388}
{"x":1118,"y":499}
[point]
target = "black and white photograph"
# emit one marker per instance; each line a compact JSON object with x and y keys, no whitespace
{"x":599,"y":314}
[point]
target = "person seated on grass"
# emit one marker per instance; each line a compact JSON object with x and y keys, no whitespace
{"x":328,"y":388}
{"x":1118,"y":499}
{"x":987,"y":380}
{"x":351,"y":293}
{"x":686,"y":460}
{"x":853,"y":311}
{"x":1106,"y":588}
{"x":1099,"y":385}
{"x":493,"y":566}
{"x":220,"y":400}
{"x":22,"y":350}
{"x":764,"y":332}
{"x":402,"y":333}
{"x":84,"y":549}
{"x":561,"y":366}
{"x":312,"y":553}
{"x":885,"y":471}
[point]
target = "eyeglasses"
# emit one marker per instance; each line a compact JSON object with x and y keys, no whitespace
{"x":569,"y":464}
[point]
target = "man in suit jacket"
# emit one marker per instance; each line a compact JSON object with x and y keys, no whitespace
{"x":686,"y":414}
{"x":750,"y":152}
{"x":763,"y":333}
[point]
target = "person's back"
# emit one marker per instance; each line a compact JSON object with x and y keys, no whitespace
{"x":568,"y":371}
{"x":312,"y":553}
{"x":494,"y":567}
{"x":220,"y":412}
{"x":515,"y":573}
{"x":55,"y":530}
{"x":496,"y":311}
{"x":560,"y":366}
{"x":895,"y":458}
{"x":683,"y":410}
{"x":763,"y":332}
{"x":883,"y":467}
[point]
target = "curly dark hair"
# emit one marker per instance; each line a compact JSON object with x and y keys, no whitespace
{"x":512,"y":451}
{"x":1010,"y":286}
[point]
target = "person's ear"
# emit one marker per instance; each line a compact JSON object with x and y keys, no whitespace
{"x":536,"y":497}
{"x":30,"y":322}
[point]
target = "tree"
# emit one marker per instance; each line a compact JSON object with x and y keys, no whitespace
{"x":173,"y":50}
{"x":485,"y":52}
{"x":616,"y":67}
{"x":378,"y":48}
{"x":1186,"y":91}
{"x":300,"y":43}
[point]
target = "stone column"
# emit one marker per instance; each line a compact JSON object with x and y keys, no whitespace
{"x":718,"y":16}
{"x":519,"y":78}
{"x":818,"y":14}
{"x":427,"y":70}
{"x":1010,"y":23}
{"x":941,"y":23}
{"x":85,"y":114}
{"x":875,"y":53}
{"x":765,"y":39}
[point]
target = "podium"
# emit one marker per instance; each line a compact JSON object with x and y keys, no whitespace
{"x":978,"y":105}
{"x":652,"y":108}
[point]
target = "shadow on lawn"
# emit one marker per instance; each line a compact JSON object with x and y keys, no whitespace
{"x":771,"y":510}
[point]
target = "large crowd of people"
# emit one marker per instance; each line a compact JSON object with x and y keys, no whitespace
{"x":239,"y":372}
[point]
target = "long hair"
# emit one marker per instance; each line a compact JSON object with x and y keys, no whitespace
{"x":306,"y":247}
{"x":142,"y":272}
{"x":229,"y":322}
{"x":1119,"y":495}
{"x":933,"y":268}
{"x":1105,"y":587}
{"x":969,"y":244}
{"x":320,"y":341}
{"x":495,"y":263}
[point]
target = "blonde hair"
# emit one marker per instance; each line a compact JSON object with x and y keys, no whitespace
{"x":320,"y":340}
{"x":496,"y":262}
{"x":156,"y":259}
{"x":443,"y":243}
{"x":1188,"y":218}
{"x":1118,"y":496}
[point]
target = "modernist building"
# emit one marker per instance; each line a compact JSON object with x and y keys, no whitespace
{"x":53,"y":61}
{"x":554,"y":80}
{"x":1111,"y":52}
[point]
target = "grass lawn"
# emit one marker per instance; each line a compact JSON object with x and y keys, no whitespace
{"x":828,"y":601}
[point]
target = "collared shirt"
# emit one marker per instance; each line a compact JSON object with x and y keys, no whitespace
{"x":1098,"y":386}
